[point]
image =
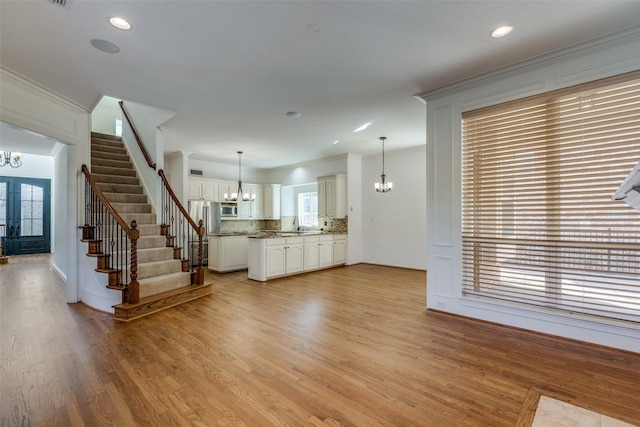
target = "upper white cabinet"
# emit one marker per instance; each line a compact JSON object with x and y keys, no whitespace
{"x":332,"y":196}
{"x":264,"y":203}
{"x":201,"y":189}
{"x":271,"y":205}
{"x":251,"y":208}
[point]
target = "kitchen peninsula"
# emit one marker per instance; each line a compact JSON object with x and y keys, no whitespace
{"x":276,"y":254}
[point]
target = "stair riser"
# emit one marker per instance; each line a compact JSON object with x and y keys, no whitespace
{"x":131,"y":207}
{"x":154,"y":269}
{"x":111,"y":179}
{"x":120,"y":188}
{"x":106,"y":170}
{"x":125,"y":198}
{"x":106,"y":143}
{"x":98,"y":148}
{"x":109,"y":156}
{"x":154,"y":286}
{"x":147,"y":242}
{"x":140,"y":218}
{"x":150,"y":230}
{"x":97,"y":161}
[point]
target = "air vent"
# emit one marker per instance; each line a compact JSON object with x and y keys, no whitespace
{"x":195,"y":172}
{"x":62,"y":3}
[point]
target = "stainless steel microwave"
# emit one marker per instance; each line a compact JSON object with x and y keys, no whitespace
{"x":228,"y":210}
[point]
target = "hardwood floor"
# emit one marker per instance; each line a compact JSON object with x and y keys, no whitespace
{"x":347,"y":346}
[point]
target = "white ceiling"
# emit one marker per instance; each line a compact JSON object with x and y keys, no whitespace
{"x":232,"y":69}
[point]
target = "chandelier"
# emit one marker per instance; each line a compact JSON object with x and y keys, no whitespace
{"x":11,"y":159}
{"x":383,"y":186}
{"x":244,"y":196}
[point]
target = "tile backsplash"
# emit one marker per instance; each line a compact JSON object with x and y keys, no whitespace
{"x":285,"y":223}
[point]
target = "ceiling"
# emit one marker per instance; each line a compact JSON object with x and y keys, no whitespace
{"x":231,"y":70}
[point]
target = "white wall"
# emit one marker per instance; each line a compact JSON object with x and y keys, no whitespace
{"x":60,"y":215}
{"x":308,"y":172}
{"x":598,"y":59}
{"x":33,"y":166}
{"x":229,"y":172}
{"x":103,"y":117}
{"x":393,"y":223}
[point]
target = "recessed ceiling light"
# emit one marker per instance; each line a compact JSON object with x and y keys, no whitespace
{"x":104,"y":46}
{"x":120,"y":23}
{"x":294,"y":114}
{"x":363,"y":127}
{"x":501,"y":31}
{"x":336,"y":141}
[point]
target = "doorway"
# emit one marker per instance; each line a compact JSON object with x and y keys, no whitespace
{"x":25,"y":208}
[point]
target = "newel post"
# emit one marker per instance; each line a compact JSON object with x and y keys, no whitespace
{"x":134,"y":286}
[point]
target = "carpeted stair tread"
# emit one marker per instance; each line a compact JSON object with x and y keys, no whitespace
{"x":99,"y":135}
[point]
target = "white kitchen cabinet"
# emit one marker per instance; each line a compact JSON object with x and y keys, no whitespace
{"x":311,"y":253}
{"x":203,"y":189}
{"x":326,"y":251}
{"x":332,"y":196}
{"x":271,"y":197}
{"x":274,"y":257}
{"x":228,"y":253}
{"x":339,"y":249}
{"x":318,"y":252}
{"x":252,"y":208}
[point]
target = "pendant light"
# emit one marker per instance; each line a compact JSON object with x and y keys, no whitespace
{"x":11,"y":159}
{"x":383,"y":186}
{"x":244,"y":196}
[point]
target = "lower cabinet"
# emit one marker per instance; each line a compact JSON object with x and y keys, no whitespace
{"x":282,"y":256}
{"x":228,"y":253}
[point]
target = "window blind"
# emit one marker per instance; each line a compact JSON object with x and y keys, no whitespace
{"x":538,"y":225}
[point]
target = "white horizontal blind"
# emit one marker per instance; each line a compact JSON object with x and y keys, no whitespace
{"x":539,"y":225}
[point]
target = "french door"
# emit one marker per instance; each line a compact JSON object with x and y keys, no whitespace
{"x":25,"y":208}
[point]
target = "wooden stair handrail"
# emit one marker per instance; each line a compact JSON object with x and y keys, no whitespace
{"x":178,"y":204}
{"x":138,"y":140}
{"x":105,"y":202}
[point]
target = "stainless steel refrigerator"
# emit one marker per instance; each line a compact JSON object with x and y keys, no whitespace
{"x":209,"y":213}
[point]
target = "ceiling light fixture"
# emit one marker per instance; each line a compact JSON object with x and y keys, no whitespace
{"x":120,"y":23}
{"x":363,"y":127}
{"x":336,"y":141}
{"x":239,"y":193}
{"x":501,"y":31}
{"x":383,"y":186}
{"x":11,"y":159}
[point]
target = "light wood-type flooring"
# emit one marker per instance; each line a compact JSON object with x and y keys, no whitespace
{"x":347,"y":346}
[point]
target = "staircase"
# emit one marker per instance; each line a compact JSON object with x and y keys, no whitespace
{"x":164,"y":278}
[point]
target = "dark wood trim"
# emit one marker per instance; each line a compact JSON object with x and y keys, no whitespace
{"x":138,"y":140}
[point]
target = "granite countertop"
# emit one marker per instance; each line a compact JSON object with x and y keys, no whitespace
{"x":271,"y":234}
{"x":277,"y":234}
